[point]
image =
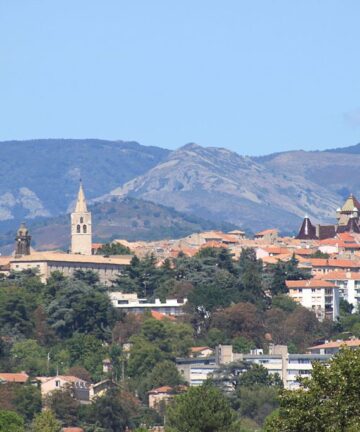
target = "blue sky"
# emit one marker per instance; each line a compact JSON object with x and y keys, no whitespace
{"x":253,"y":76}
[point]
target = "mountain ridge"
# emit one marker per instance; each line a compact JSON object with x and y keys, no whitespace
{"x":39,"y":179}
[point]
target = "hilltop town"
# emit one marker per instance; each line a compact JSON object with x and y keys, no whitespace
{"x":169,"y":315}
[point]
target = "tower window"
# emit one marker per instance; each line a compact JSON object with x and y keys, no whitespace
{"x":78,"y":228}
{"x":84,"y":229}
{"x":81,"y":220}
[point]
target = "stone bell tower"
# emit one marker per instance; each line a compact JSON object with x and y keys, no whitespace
{"x":81,"y":234}
{"x":23,"y":240}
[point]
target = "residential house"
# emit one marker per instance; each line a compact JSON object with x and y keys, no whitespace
{"x":334,"y":347}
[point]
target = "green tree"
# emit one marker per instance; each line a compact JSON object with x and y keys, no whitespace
{"x":283,"y":271}
{"x":90,"y":277}
{"x":242,"y":345}
{"x":164,"y":373}
{"x":328,"y":402}
{"x":141,"y":277}
{"x":10,"y":421}
{"x":87,"y":351}
{"x":64,"y":406}
{"x":258,"y":375}
{"x":113,"y":249}
{"x":200,"y":409}
{"x":319,"y":254}
{"x":45,"y":422}
{"x":29,"y":356}
{"x":114,"y":412}
{"x":251,"y":277}
{"x":27,"y":401}
{"x":79,"y":307}
{"x":15,"y":311}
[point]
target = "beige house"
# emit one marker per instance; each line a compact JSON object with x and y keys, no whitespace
{"x":81,"y":390}
{"x":59,"y":382}
{"x":160,"y":396}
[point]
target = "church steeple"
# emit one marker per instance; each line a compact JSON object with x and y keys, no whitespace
{"x":81,"y":201}
{"x":81,"y":232}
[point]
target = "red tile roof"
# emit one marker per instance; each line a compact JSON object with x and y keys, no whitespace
{"x":160,"y":316}
{"x":163,"y":389}
{"x":339,"y":275}
{"x":310,"y":283}
{"x":322,"y":262}
{"x":337,"y":344}
{"x":21,"y":377}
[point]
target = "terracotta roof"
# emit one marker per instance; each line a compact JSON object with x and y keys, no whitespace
{"x":64,"y":257}
{"x":339,"y":275}
{"x":310,"y":283}
{"x":199,"y":349}
{"x":68,"y":378}
{"x":72,"y":429}
{"x":21,"y":377}
{"x":96,"y":246}
{"x":212,"y":244}
{"x":276,"y":250}
{"x":163,"y":389}
{"x":160,"y":316}
{"x":304,"y":251}
{"x":338,"y":344}
{"x":321,"y":262}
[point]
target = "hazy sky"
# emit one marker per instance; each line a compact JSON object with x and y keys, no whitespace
{"x":253,"y":76}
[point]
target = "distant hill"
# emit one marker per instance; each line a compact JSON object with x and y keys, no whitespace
{"x":41,"y":177}
{"x":355,"y":149}
{"x":128,"y":218}
{"x":223,"y":186}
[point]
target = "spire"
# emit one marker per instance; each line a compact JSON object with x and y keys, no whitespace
{"x":81,"y":201}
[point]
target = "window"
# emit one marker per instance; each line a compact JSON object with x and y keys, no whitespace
{"x":84,"y":229}
{"x":81,"y":220}
{"x":78,"y":229}
{"x":57,"y":383}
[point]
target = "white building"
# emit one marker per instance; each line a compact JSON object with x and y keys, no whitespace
{"x":319,"y":296}
{"x":348,"y":284}
{"x":289,"y":367}
{"x":131,"y":303}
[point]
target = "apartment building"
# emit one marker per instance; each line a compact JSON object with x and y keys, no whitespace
{"x":319,"y":296}
{"x":289,"y":367}
{"x":129,"y":302}
{"x":348,"y":284}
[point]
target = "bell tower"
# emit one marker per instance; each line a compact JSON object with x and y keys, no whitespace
{"x":81,"y":233}
{"x":23,"y":240}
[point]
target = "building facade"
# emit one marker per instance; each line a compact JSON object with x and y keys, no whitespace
{"x":129,"y":302}
{"x":320,"y":297}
